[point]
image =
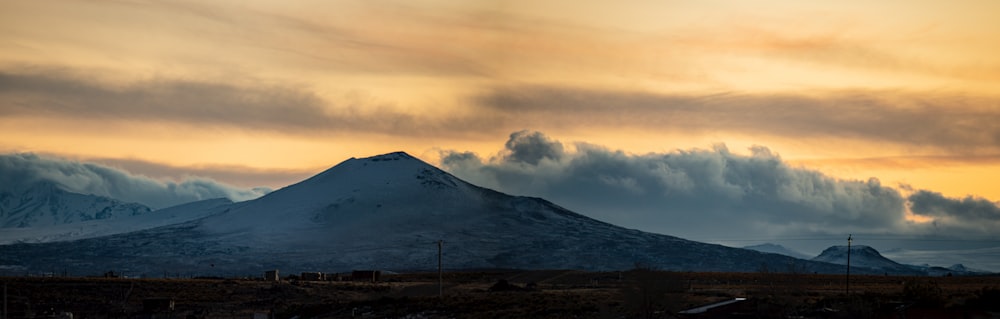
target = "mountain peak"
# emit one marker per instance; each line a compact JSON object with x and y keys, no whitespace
{"x":394,"y":156}
{"x":861,"y":256}
{"x":383,"y":166}
{"x":361,"y":191}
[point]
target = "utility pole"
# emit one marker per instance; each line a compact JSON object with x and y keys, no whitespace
{"x":440,"y":274}
{"x":848,"y":264}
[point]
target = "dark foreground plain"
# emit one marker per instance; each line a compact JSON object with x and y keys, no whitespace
{"x":511,"y":294}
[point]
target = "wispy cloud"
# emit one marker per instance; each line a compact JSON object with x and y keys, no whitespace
{"x":290,"y":110}
{"x":944,"y":122}
{"x":237,"y":175}
{"x":940,"y":123}
{"x":61,"y":95}
{"x":906,"y":162}
{"x":21,"y":170}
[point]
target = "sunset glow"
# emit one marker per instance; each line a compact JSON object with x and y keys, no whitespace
{"x":906,"y":92}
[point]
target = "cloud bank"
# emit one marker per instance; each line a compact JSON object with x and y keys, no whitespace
{"x":715,"y":194}
{"x":236,"y":175}
{"x":20,"y":170}
{"x":958,"y":214}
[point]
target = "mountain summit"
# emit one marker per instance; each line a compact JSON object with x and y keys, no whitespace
{"x":388,"y":212}
{"x":344,"y":204}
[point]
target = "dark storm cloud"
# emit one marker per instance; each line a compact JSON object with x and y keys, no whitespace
{"x":953,"y":122}
{"x":21,"y":170}
{"x":532,"y":147}
{"x":968,"y":209}
{"x":712,"y":191}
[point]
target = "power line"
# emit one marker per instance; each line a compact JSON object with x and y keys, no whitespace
{"x":875,"y":238}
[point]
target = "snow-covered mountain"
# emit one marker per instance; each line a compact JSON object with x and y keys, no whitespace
{"x":777,"y":249}
{"x":45,"y":204}
{"x":863,"y":256}
{"x":105,"y":227}
{"x":387,"y":212}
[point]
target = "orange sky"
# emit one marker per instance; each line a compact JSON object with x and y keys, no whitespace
{"x":906,"y":91}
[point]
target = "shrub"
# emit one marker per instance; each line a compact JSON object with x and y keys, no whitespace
{"x":924,"y":294}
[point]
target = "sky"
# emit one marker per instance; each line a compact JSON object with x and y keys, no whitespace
{"x":877,"y":117}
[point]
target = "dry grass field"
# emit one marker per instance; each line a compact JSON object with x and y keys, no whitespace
{"x":513,"y":294}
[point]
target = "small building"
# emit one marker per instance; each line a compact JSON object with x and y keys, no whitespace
{"x":366,"y":275}
{"x":313,"y":276}
{"x":338,"y":277}
{"x":271,"y":275}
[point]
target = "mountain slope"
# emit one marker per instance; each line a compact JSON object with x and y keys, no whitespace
{"x":777,"y":249}
{"x":388,"y":212}
{"x":45,"y":204}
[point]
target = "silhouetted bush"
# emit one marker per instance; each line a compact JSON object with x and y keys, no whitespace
{"x":647,"y":294}
{"x":923,"y":294}
{"x":503,"y":285}
{"x":986,"y":299}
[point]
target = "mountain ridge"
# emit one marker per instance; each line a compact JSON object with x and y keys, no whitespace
{"x":45,"y":203}
{"x":388,"y":212}
{"x":777,"y":249}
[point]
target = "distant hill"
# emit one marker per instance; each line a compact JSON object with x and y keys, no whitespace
{"x":976,"y":260}
{"x":866,"y":257}
{"x":777,"y":249}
